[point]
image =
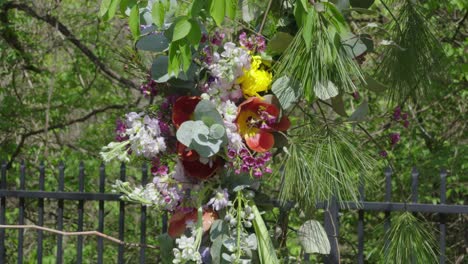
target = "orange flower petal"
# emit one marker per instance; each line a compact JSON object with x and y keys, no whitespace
{"x":260,"y":142}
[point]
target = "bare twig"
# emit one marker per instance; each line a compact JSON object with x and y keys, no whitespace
{"x":265,"y":17}
{"x":54,"y":22}
{"x":81,"y":233}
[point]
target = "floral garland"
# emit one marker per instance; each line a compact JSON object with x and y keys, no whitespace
{"x":200,"y":144}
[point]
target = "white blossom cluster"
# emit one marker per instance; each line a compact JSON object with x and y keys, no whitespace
{"x":220,"y":200}
{"x":228,"y":110}
{"x":226,"y":68}
{"x":144,"y":135}
{"x":186,"y":251}
{"x":144,"y":139}
{"x":159,"y":195}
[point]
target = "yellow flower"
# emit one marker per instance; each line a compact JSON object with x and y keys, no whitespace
{"x":255,"y":80}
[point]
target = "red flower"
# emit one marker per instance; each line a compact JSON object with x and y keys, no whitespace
{"x":256,"y":120}
{"x":183,"y":109}
{"x":192,"y":165}
{"x":180,"y":219}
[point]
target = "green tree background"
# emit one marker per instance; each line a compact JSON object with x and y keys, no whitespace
{"x":66,"y":76}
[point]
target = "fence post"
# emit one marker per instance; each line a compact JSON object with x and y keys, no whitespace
{"x":79,"y":246}
{"x":331,"y":225}
{"x":21,"y":213}
{"x":2,"y":212}
{"x":388,"y":198}
{"x":361,"y":224}
{"x":414,"y":197}
{"x":144,"y":178}
{"x":102,"y":181}
{"x":120,"y":258}
{"x":61,"y":188}
{"x":40,"y":216}
{"x":443,"y":190}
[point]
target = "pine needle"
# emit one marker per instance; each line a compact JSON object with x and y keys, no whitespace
{"x":322,"y":163}
{"x":411,"y":66}
{"x":409,"y":241}
{"x":326,"y":61}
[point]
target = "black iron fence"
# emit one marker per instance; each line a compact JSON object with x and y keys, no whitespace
{"x":331,"y":221}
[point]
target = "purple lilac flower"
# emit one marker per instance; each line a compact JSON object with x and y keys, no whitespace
{"x":356,"y":95}
{"x":253,"y":43}
{"x":243,"y":161}
{"x":406,"y":123}
{"x":404,"y":116}
{"x":150,"y":88}
{"x":120,"y":131}
{"x":383,"y":153}
{"x":394,"y":138}
{"x":218,"y":38}
{"x":397,"y":113}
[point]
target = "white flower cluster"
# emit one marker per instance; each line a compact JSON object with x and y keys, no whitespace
{"x":186,"y":251}
{"x":228,"y":110}
{"x":220,"y":200}
{"x":153,"y":194}
{"x":144,"y":135}
{"x":226,"y":68}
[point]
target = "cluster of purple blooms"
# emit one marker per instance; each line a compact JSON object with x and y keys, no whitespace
{"x":150,"y":88}
{"x":399,"y":115}
{"x":267,"y":120}
{"x":157,"y":169}
{"x":120,"y":129}
{"x":253,"y":43}
{"x":245,"y":162}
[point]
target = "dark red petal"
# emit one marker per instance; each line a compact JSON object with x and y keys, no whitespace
{"x":200,"y":171}
{"x":183,"y":109}
{"x":283,"y":124}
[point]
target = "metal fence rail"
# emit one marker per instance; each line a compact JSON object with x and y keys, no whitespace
{"x":81,"y":196}
{"x":334,"y":207}
{"x":331,"y":221}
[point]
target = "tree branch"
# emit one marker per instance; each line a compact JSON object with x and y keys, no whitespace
{"x":63,"y":125}
{"x":54,"y":22}
{"x":81,"y":233}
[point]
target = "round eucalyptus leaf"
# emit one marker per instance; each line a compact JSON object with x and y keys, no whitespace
{"x":156,"y":42}
{"x":217,"y":131}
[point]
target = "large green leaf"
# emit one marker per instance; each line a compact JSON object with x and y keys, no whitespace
{"x":218,"y":10}
{"x":313,"y":238}
{"x":153,"y":42}
{"x":207,"y":112}
{"x":181,"y":29}
{"x":266,"y":250}
{"x":159,"y":69}
{"x":105,"y":4}
{"x":279,"y":43}
{"x":325,"y":91}
{"x":353,"y":44}
{"x":134,"y":21}
{"x":158,"y":13}
{"x":360,"y":113}
{"x":286,"y":91}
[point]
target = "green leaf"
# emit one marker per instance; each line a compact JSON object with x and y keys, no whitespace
{"x":341,"y":4}
{"x":217,"y":131}
{"x":195,"y":34}
{"x":231,"y":8}
{"x":279,"y":43}
{"x":374,"y":85}
{"x":185,"y":57}
{"x":325,"y":91}
{"x":362,"y":3}
{"x":360,"y":113}
{"x":286,"y":91}
{"x":153,"y":42}
{"x":174,"y":59}
{"x":158,"y":13}
{"x":300,"y":12}
{"x":187,"y":130}
{"x":105,"y":4}
{"x":166,"y":244}
{"x":218,"y":229}
{"x":181,"y":29}
{"x":134,"y":21}
{"x":207,"y":112}
{"x":159,"y":69}
{"x":338,"y":105}
{"x":266,"y":250}
{"x":313,"y":238}
{"x":112,"y":10}
{"x":217,"y":11}
{"x":247,"y":11}
{"x":197,"y":6}
{"x":353,"y":45}
{"x":307,"y":31}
